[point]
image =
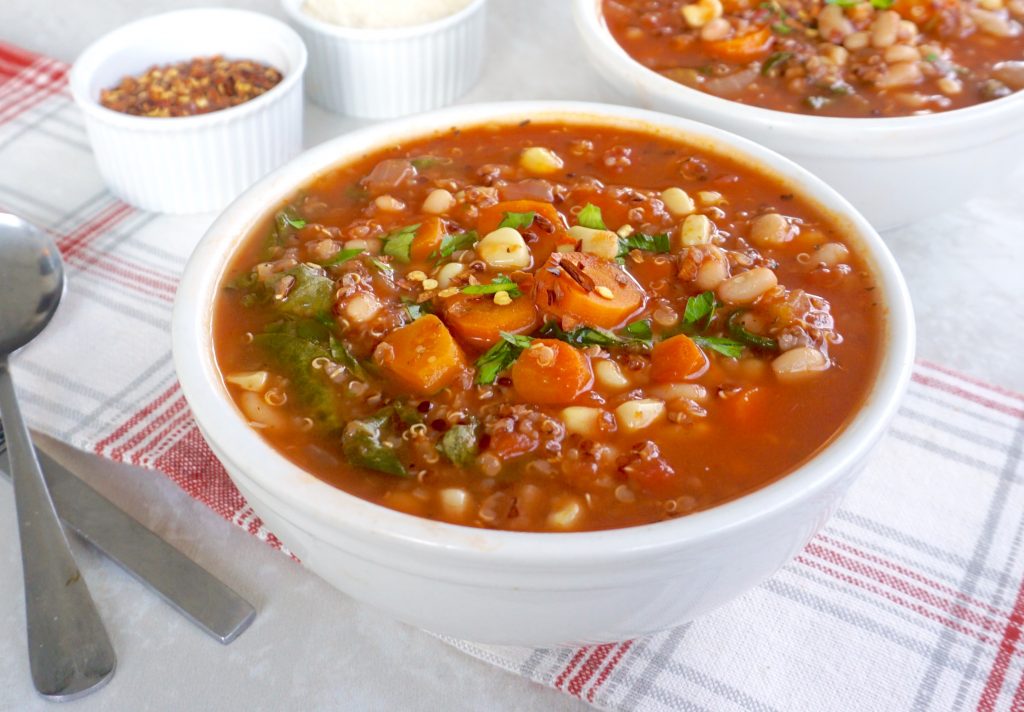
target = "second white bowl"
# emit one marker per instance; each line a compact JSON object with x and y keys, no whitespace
{"x":894,"y":170}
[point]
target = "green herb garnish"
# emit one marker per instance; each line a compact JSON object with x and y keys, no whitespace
{"x":724,"y":346}
{"x":342,"y":256}
{"x":590,"y":216}
{"x":700,"y":310}
{"x":639,"y":332}
{"x":518,"y":221}
{"x":501,"y":283}
{"x":342,"y":355}
{"x":500,"y":356}
{"x":782,"y":28}
{"x":643,"y":241}
{"x":397,"y":243}
{"x":424,"y":162}
{"x":882,"y":4}
{"x":288,"y":218}
{"x":382,"y":266}
{"x":450,"y":244}
{"x":740,"y":333}
{"x":774,"y":61}
{"x":414,"y":310}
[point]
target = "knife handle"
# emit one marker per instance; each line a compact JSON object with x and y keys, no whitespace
{"x":186,"y":586}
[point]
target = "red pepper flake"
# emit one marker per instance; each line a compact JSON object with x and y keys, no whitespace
{"x":197,"y":86}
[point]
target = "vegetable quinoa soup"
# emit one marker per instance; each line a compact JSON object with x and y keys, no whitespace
{"x":548,"y":327}
{"x":854,"y":58}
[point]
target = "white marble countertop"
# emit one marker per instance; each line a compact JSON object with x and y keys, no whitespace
{"x":311,"y":647}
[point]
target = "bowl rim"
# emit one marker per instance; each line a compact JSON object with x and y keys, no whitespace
{"x":339,"y":516}
{"x":121,"y":38}
{"x":591,"y":26}
{"x":293,"y":9}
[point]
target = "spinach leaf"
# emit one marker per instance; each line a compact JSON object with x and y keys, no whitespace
{"x":459,"y":444}
{"x":364,"y":445}
{"x":342,"y":256}
{"x":291,"y":348}
{"x":311,"y":295}
{"x":740,"y":333}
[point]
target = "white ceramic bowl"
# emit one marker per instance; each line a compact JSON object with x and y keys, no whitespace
{"x":894,"y":170}
{"x":191,"y":164}
{"x":529,"y":588}
{"x":382,"y":73}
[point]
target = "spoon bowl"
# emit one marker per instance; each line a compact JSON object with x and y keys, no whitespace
{"x":69,"y":651}
{"x":32,"y":275}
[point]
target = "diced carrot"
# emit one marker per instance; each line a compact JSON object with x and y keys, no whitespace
{"x":476,"y":320}
{"x":677,"y":359}
{"x":491,"y":216}
{"x":746,"y":408}
{"x":921,"y":11}
{"x":585,"y":289}
{"x":551,"y":372}
{"x":427,"y":241}
{"x":421,"y":356}
{"x":743,"y":48}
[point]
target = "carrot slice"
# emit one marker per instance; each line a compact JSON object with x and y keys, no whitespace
{"x":477,"y":320}
{"x":428,"y":239}
{"x":422,"y":356}
{"x":580,"y":288}
{"x":743,"y":48}
{"x":551,"y":372}
{"x":677,"y":359}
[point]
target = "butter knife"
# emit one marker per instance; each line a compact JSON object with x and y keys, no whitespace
{"x":186,"y":586}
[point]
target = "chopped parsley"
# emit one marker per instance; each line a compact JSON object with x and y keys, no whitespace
{"x":774,"y":62}
{"x":643,"y":241}
{"x":518,"y":221}
{"x":500,"y":356}
{"x":501,"y":283}
{"x":638,"y":332}
{"x":450,"y":244}
{"x":397,"y":243}
{"x":590,"y":216}
{"x":342,"y":256}
{"x":724,"y":346}
{"x":700,"y":310}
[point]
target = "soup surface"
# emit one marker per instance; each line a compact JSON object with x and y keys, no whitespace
{"x":851,"y":58}
{"x":548,"y":328}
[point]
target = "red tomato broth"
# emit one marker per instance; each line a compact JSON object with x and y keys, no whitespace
{"x":751,"y":428}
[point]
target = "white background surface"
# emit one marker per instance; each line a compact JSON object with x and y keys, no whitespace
{"x":310,"y":646}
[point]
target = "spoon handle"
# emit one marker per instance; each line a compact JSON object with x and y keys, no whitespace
{"x":69,"y":651}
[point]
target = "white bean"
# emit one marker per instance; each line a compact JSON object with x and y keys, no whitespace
{"x":504,"y":249}
{"x":747,"y":286}
{"x":799,"y":361}
{"x":581,"y":420}
{"x":713,"y":270}
{"x":438,"y":202}
{"x":638,"y":414}
{"x":772,"y":229}
{"x":609,"y":375}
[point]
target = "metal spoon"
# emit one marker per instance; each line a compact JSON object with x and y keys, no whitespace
{"x":68,"y":648}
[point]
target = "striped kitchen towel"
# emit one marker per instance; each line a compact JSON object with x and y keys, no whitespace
{"x":911,"y":599}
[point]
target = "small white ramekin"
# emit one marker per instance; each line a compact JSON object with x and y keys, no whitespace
{"x":386,"y":72}
{"x":520,"y":588}
{"x":894,"y":170}
{"x":191,"y":164}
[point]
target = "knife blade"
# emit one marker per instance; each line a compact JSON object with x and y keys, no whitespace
{"x":185,"y":585}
